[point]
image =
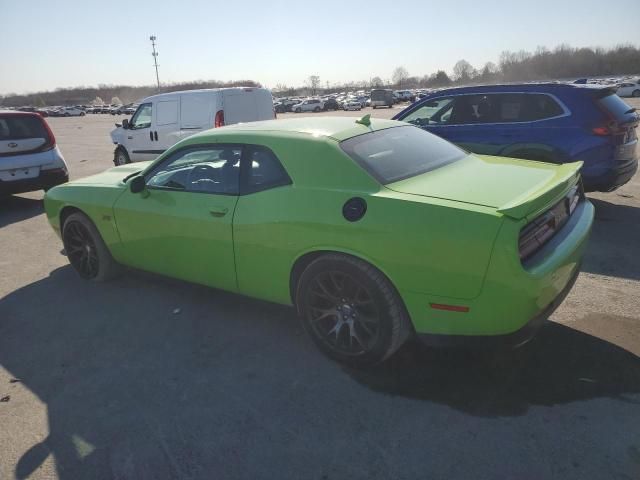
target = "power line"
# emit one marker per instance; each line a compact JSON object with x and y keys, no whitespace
{"x":155,"y":57}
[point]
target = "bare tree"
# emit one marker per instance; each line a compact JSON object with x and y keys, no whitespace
{"x":116,"y":101}
{"x":463,"y":71}
{"x":97,"y":101}
{"x":400,"y":76}
{"x":377,"y":82}
{"x":313,"y":83}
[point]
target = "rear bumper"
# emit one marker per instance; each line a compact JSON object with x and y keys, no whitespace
{"x":46,"y":180}
{"x":514,"y":339}
{"x":616,"y":177}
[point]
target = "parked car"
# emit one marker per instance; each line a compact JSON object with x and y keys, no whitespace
{"x":30,"y":158}
{"x":352,"y":104}
{"x":405,"y":96}
{"x":457,"y":257}
{"x":71,"y":112}
{"x":162,"y":120}
{"x":552,"y":122}
{"x":331,"y":104}
{"x":629,"y":89}
{"x":284,"y":105}
{"x":308,"y":105}
{"x":382,"y":97}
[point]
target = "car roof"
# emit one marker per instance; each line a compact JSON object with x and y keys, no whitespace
{"x":520,"y":87}
{"x":200,"y":90}
{"x":336,"y":128}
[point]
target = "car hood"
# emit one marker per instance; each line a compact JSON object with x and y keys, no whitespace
{"x":513,"y":187}
{"x":112,"y":176}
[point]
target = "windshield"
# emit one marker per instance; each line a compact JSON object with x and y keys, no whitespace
{"x":397,"y":153}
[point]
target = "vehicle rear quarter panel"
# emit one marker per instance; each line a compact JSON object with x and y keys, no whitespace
{"x":428,"y":246}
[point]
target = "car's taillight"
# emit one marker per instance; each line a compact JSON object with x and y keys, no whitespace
{"x":601,"y":131}
{"x":50,"y":141}
{"x":219,"y":121}
{"x":538,"y":232}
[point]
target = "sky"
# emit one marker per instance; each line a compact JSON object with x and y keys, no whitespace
{"x":49,"y":44}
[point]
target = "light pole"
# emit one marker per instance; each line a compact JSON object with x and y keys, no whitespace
{"x":155,"y":57}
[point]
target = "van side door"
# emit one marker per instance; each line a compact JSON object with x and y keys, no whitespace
{"x":197,"y":112}
{"x":165,"y":128}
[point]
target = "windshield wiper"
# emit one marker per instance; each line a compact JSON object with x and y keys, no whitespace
{"x":124,"y":180}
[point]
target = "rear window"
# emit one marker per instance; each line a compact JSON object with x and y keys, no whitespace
{"x":17,"y":127}
{"x":397,"y":153}
{"x":617,"y":107}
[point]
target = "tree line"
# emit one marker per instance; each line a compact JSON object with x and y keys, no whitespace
{"x":123,"y":93}
{"x":563,"y":62}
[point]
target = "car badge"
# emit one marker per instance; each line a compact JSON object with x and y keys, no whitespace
{"x":12,"y":145}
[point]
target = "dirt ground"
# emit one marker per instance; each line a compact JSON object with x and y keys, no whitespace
{"x":146,"y":377}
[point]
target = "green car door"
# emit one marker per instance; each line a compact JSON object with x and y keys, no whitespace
{"x":181,"y":224}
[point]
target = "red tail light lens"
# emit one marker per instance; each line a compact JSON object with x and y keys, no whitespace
{"x":51,"y":140}
{"x":601,"y":131}
{"x":219,"y":121}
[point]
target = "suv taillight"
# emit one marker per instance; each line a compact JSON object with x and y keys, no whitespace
{"x":50,"y":142}
{"x":219,"y":121}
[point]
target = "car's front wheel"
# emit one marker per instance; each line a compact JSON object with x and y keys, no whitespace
{"x":86,"y":251}
{"x":636,"y":93}
{"x":351,"y":310}
{"x":121,"y":157}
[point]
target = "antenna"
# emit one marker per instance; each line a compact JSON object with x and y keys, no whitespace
{"x":155,"y":57}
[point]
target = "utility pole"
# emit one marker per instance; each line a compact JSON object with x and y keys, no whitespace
{"x":155,"y":57}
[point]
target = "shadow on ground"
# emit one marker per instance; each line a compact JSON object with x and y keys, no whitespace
{"x":616,"y":231}
{"x":145,"y":377}
{"x":15,"y":209}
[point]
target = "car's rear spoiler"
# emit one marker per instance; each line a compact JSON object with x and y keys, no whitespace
{"x":533,"y":202}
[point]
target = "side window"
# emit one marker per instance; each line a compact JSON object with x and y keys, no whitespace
{"x":263,"y":170}
{"x":202,"y":169}
{"x":142,"y":117}
{"x":470,"y":109}
{"x":431,"y":112}
{"x":540,"y":106}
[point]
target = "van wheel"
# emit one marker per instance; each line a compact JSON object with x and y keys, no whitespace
{"x":636,"y":93}
{"x":351,"y":310}
{"x":297,"y":110}
{"x":121,"y":157}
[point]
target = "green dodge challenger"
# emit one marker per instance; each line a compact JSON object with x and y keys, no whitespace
{"x":374,"y":229}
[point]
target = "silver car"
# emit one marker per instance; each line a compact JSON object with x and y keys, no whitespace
{"x":29,"y":157}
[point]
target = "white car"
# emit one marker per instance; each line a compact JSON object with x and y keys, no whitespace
{"x":31,"y":159}
{"x":308,"y":105}
{"x":71,"y":112}
{"x":629,"y":89}
{"x":163,"y":120}
{"x":352,"y":104}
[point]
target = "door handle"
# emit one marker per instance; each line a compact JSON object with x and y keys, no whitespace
{"x":155,"y":135}
{"x":130,"y":138}
{"x":218,"y":211}
{"x":151,"y":135}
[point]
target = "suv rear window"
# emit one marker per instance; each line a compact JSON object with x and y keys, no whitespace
{"x":397,"y":153}
{"x":617,"y":107}
{"x":18,"y":127}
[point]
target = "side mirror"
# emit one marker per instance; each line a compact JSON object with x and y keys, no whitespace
{"x":125,"y":123}
{"x":138,"y":184}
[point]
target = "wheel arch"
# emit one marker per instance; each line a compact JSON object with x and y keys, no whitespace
{"x":68,"y":210}
{"x":306,"y":258}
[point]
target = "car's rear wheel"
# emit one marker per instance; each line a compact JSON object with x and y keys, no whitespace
{"x":298,"y":110}
{"x":121,"y":157}
{"x":636,"y":93}
{"x":86,"y":251}
{"x":317,"y":109}
{"x":351,"y":310}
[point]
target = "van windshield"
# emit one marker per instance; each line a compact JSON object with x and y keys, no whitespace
{"x":397,"y":153}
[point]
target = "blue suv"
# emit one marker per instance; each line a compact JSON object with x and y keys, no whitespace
{"x":550,"y":122}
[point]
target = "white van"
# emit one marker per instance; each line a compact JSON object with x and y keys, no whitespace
{"x":163,"y":120}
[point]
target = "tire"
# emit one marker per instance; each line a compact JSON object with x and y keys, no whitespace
{"x":82,"y":114}
{"x":298,"y":110}
{"x":635,"y":93}
{"x":86,"y":251}
{"x":67,"y":114}
{"x":120,"y":157}
{"x":317,"y":109}
{"x":374,"y":107}
{"x":326,"y":300}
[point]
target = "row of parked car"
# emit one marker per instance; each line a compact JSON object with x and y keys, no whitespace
{"x":347,"y":100}
{"x":80,"y":110}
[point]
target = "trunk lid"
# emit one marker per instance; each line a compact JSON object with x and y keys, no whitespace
{"x":513,"y":187}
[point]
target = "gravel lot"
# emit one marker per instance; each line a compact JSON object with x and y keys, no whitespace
{"x":146,"y":377}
